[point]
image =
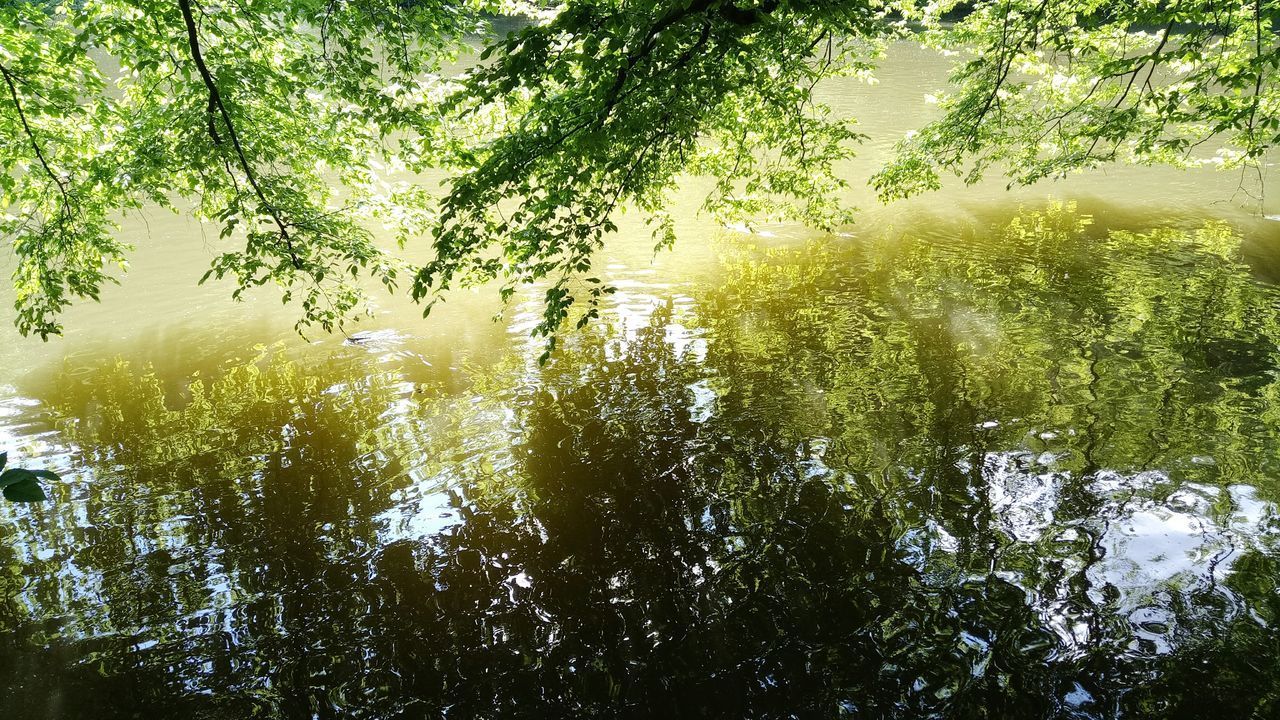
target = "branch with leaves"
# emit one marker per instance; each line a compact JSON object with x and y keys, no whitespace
{"x":1055,"y":87}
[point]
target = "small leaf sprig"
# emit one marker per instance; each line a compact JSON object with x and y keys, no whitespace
{"x":21,"y":484}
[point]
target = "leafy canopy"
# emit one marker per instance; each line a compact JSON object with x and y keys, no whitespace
{"x":267,"y":117}
{"x":1052,"y":86}
{"x":278,"y":119}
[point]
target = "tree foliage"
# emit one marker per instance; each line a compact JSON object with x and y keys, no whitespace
{"x":613,"y":100}
{"x":276,"y":120}
{"x":1053,"y":87}
{"x":255,"y":114}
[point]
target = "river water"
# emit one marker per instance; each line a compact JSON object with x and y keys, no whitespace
{"x":987,"y":453}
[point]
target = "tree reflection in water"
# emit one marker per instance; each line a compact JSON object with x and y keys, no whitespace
{"x":1024,"y":473}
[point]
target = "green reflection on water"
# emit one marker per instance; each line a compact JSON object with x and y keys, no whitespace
{"x":1021,"y":471}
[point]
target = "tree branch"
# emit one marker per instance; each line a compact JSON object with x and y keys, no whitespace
{"x":215,"y":100}
{"x":35,"y":144}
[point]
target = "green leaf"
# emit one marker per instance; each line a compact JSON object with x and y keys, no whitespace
{"x":4,"y":458}
{"x":26,"y":491}
{"x":15,"y":475}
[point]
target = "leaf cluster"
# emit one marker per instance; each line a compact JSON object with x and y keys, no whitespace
{"x":1049,"y":88}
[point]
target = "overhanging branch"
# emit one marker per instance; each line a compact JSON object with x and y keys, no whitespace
{"x":58,"y":181}
{"x":215,"y":101}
